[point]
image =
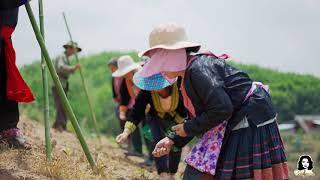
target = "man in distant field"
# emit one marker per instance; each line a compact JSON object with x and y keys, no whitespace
{"x":64,"y":70}
{"x":13,"y":89}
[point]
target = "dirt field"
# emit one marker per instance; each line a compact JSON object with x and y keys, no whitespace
{"x":69,"y":161}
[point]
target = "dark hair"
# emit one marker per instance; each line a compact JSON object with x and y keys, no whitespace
{"x":192,"y":50}
{"x":144,"y":58}
{"x":300,"y":167}
{"x":169,"y":89}
{"x":113,"y":61}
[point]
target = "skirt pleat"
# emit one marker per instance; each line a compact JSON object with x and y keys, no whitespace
{"x":253,"y":153}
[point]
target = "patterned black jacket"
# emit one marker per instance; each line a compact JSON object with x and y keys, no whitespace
{"x":217,"y":91}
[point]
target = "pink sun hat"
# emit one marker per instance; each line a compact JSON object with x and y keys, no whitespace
{"x":163,"y":60}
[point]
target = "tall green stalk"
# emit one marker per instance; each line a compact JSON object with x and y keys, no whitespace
{"x":93,"y":116}
{"x":66,"y":105}
{"x":45,"y":88}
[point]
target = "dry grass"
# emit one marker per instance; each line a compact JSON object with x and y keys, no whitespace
{"x":69,"y":162}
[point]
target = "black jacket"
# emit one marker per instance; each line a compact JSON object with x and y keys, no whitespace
{"x":9,"y":4}
{"x":143,"y":99}
{"x":217,"y":91}
{"x":114,"y":93}
{"x":124,"y":94}
{"x":8,"y":18}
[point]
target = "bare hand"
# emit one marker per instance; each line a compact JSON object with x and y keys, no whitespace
{"x":163,"y":147}
{"x":122,"y":138}
{"x":179,"y":129}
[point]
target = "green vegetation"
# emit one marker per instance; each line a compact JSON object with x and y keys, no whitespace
{"x":292,"y":93}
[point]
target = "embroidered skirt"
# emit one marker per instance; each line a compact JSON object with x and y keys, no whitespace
{"x":253,"y":153}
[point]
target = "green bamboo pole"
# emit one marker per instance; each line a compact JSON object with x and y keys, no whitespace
{"x":93,"y":116}
{"x":65,"y":102}
{"x":45,"y":88}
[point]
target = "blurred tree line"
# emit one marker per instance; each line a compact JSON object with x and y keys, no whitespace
{"x":292,"y":93}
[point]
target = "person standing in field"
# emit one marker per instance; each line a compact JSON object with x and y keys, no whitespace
{"x":232,"y":115}
{"x":64,"y":70}
{"x":13,"y":89}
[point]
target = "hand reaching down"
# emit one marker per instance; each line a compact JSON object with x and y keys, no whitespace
{"x":163,"y":147}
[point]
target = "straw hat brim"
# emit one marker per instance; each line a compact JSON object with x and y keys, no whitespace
{"x":124,"y":71}
{"x":177,"y":45}
{"x":67,"y":46}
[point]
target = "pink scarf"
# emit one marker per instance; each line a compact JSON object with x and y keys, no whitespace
{"x":162,"y":60}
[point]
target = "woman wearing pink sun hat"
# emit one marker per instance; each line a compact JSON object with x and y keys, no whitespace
{"x":232,"y":115}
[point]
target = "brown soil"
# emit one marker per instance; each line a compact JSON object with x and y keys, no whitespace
{"x":69,"y":161}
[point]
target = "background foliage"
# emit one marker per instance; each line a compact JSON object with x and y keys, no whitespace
{"x":292,"y":93}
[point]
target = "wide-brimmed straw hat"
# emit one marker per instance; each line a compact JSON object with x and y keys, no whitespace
{"x":169,"y":36}
{"x":71,"y":44}
{"x":125,"y":65}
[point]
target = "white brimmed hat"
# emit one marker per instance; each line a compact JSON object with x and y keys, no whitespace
{"x":169,"y":36}
{"x":125,"y":65}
